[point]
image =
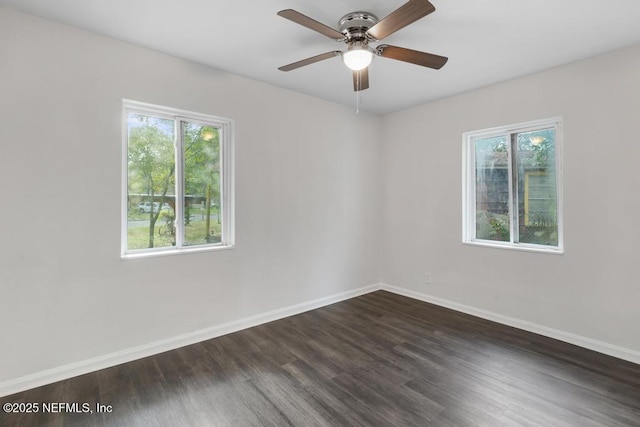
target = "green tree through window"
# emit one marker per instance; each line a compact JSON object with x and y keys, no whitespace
{"x":512,"y":189}
{"x":151,"y":170}
{"x":178,"y":180}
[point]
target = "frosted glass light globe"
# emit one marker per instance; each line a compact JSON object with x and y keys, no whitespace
{"x":357,"y":57}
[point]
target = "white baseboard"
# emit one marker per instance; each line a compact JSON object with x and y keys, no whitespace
{"x":71,"y":370}
{"x":49,"y":376}
{"x":588,"y":343}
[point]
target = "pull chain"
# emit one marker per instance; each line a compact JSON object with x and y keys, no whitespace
{"x":358,"y":86}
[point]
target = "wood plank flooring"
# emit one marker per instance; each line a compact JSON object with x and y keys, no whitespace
{"x":376,"y":360}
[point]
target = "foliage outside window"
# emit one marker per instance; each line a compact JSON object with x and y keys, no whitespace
{"x":177,"y":184}
{"x":512,"y":188}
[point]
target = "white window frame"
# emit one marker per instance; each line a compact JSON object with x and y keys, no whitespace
{"x":227,"y":209}
{"x":469,"y":182}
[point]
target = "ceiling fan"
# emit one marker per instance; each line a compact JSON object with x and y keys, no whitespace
{"x":358,"y":29}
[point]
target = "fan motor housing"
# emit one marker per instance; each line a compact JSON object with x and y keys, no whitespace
{"x":354,"y":25}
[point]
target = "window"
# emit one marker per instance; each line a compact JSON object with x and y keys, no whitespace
{"x":177,"y":181}
{"x":512,"y":186}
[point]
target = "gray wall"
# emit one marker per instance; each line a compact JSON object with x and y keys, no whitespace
{"x":307,"y":198}
{"x":592,"y":290}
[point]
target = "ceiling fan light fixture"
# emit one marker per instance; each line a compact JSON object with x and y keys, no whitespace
{"x":357,"y":30}
{"x":358,"y":56}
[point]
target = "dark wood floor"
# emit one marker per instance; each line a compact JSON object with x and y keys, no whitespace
{"x":379,"y":359}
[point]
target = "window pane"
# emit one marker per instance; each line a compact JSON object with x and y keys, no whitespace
{"x":150,"y":182}
{"x":492,"y":189}
{"x":537,"y":194}
{"x":202,"y":201}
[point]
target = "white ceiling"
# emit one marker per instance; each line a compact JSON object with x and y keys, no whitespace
{"x":487,"y":41}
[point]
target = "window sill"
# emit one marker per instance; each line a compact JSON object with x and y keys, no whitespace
{"x":169,"y":252}
{"x":516,"y":247}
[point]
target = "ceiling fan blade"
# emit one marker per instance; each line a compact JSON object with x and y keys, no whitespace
{"x":413,"y":56}
{"x":312,"y":24}
{"x":310,"y":60}
{"x":406,"y":14}
{"x":361,"y":80}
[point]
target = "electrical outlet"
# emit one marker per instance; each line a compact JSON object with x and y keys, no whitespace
{"x":427,"y":278}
